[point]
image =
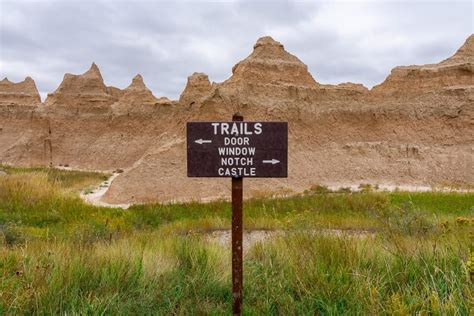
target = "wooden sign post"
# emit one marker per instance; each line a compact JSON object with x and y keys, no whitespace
{"x":237,"y":149}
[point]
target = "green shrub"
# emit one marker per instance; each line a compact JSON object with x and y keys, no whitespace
{"x":406,"y":220}
{"x":11,"y":234}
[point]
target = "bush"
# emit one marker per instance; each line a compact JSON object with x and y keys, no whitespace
{"x":11,"y":235}
{"x":405,"y":220}
{"x":319,"y":189}
{"x":366,"y":188}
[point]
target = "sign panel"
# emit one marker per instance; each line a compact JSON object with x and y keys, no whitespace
{"x":237,"y":149}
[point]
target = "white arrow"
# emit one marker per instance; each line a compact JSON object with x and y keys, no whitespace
{"x":203,"y":141}
{"x":273,"y":161}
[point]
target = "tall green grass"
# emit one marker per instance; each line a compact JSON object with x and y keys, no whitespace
{"x":304,"y":274}
{"x":67,"y":179}
{"x":59,"y":255}
{"x":295,"y":274}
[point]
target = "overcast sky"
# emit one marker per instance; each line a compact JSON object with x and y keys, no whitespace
{"x":166,"y":41}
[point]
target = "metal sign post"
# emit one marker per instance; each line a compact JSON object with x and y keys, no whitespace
{"x":237,"y":149}
{"x":237,"y":238}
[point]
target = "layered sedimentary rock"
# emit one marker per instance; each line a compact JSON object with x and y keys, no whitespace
{"x":19,"y":122}
{"x":454,"y":73}
{"x":465,"y":54}
{"x":21,"y":93}
{"x":269,"y":73}
{"x":339,"y":134}
{"x":273,"y":80}
{"x":85,"y":124}
{"x":86,"y":90}
{"x":415,"y":128}
{"x":270,"y":63}
{"x":136,"y":98}
{"x":197,"y":87}
{"x":138,"y":93}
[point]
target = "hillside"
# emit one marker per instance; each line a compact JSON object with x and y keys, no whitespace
{"x":415,"y":128}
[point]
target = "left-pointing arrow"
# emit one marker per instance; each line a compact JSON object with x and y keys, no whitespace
{"x":203,"y":141}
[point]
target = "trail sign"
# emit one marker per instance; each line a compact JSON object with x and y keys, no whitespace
{"x":237,"y":149}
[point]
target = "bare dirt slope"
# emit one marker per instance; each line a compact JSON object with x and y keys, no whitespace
{"x":415,"y":128}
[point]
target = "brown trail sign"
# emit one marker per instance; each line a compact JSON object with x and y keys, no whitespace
{"x":237,"y":149}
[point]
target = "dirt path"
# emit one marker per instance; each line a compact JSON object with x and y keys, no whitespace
{"x":94,"y":197}
{"x":223,"y":237}
{"x":98,"y":192}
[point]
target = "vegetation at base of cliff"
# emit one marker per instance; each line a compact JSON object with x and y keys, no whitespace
{"x":66,"y":179}
{"x":59,"y":255}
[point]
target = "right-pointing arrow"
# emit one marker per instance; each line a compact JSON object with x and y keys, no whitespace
{"x":273,"y":161}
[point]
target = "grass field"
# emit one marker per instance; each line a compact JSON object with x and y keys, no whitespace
{"x":59,"y":255}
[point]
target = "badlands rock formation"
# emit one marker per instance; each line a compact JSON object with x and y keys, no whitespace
{"x":21,"y":93}
{"x":197,"y":87}
{"x":415,"y":128}
{"x":269,"y":63}
{"x":87,"y":89}
{"x":452,"y":73}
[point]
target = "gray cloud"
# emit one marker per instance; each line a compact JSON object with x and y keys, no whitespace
{"x":166,"y":41}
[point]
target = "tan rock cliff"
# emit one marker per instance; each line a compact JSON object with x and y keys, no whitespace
{"x":415,"y":128}
{"x":21,"y":93}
